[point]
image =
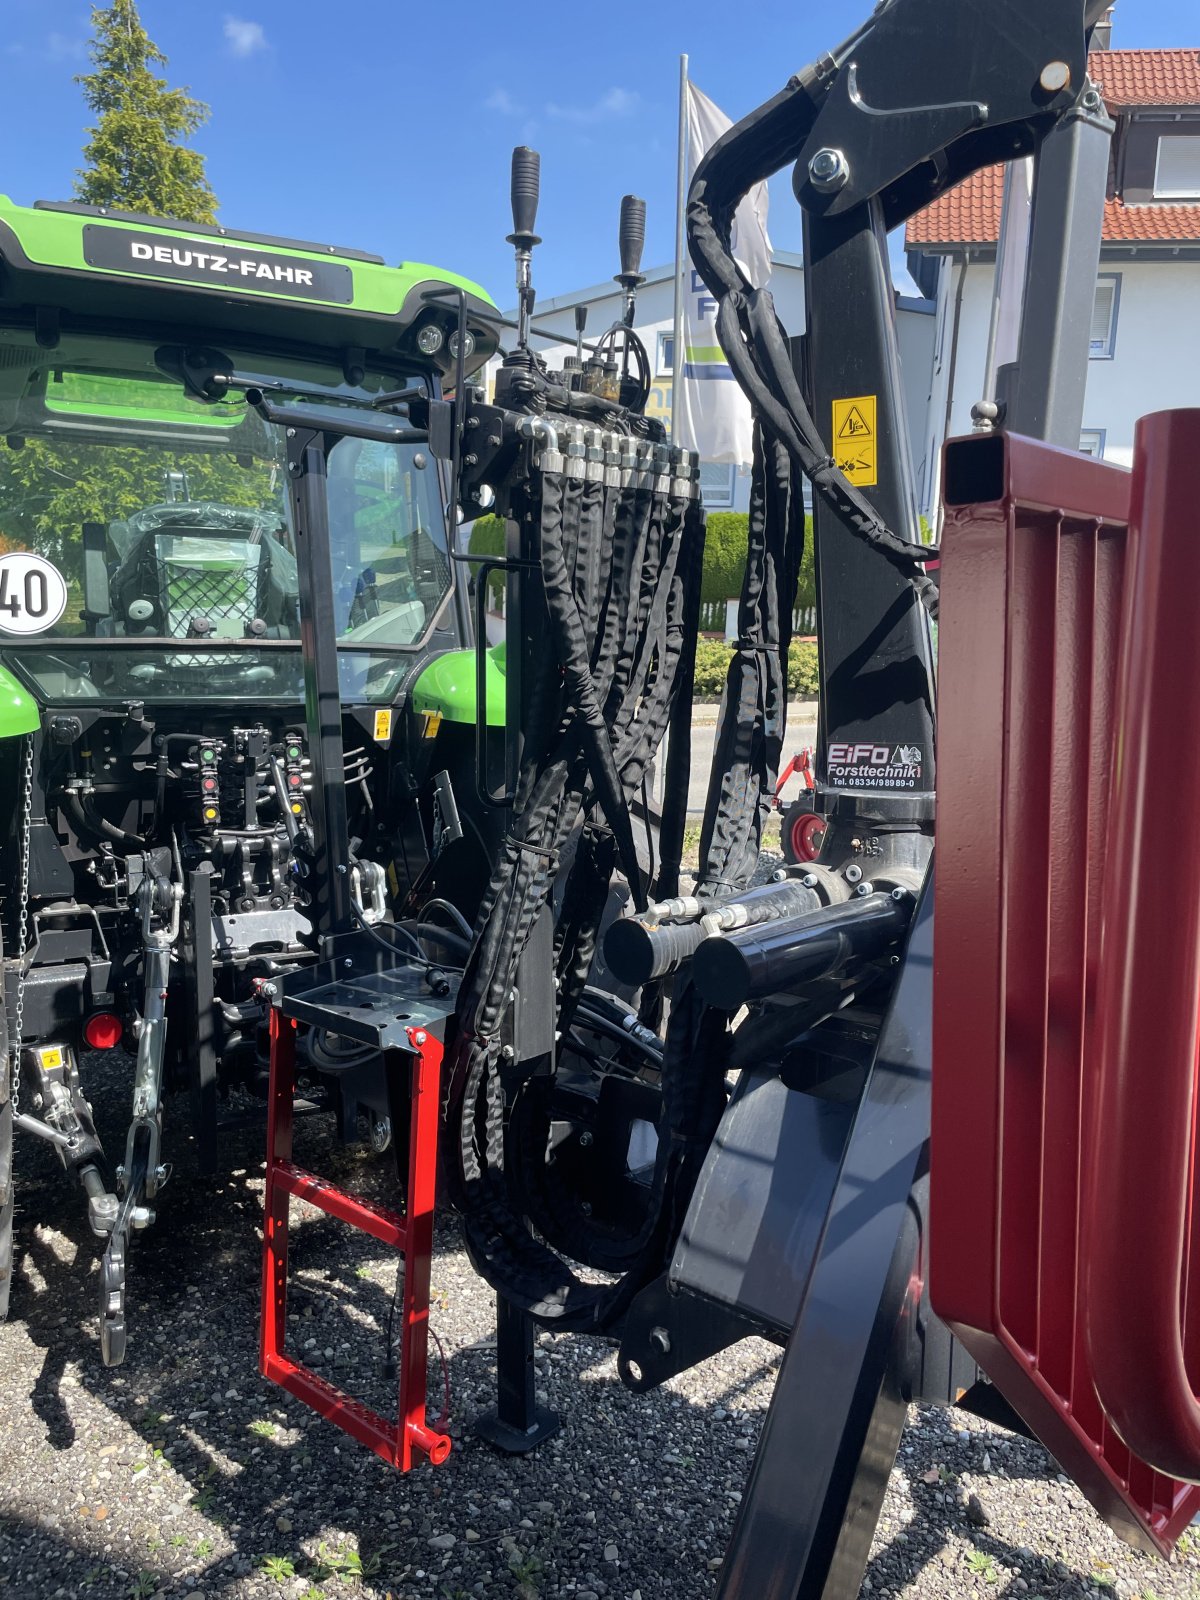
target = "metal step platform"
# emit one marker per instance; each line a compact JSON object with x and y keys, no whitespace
{"x":361,"y":993}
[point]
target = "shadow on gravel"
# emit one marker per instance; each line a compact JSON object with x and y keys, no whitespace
{"x":206,"y":1476}
{"x":950,"y":1546}
{"x":32,"y":1554}
{"x":46,"y":1397}
{"x":182,"y":1471}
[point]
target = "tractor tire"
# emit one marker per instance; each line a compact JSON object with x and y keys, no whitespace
{"x":801,"y":831}
{"x":7,"y":1205}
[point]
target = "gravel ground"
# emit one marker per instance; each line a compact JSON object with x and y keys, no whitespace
{"x":182,"y":1473}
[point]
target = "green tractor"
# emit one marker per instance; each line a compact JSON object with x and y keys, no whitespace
{"x":156,"y":381}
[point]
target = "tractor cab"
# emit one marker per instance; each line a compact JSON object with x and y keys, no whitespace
{"x":164,"y":390}
{"x":171,"y":562}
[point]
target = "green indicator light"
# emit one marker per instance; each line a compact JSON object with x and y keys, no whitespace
{"x":207,"y":755}
{"x":293,"y":752}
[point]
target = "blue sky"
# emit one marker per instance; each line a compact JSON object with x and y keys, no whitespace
{"x":387,"y":125}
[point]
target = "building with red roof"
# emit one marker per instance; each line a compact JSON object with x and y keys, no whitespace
{"x":1146,"y":316}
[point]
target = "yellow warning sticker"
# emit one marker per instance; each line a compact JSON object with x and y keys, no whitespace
{"x":50,"y":1058}
{"x":854,"y":439}
{"x":383,"y":726}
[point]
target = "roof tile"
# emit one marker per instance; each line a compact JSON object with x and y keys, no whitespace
{"x":1147,"y":77}
{"x":970,"y":212}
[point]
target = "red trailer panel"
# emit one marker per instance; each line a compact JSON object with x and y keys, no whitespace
{"x":1042,"y":1144}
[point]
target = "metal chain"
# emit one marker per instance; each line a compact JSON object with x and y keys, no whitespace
{"x":18,"y":1020}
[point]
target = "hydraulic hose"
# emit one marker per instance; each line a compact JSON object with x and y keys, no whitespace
{"x":747,"y":327}
{"x":88,"y":820}
{"x":615,"y":588}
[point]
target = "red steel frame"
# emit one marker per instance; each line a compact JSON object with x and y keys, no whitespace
{"x":1147,"y":1367}
{"x":1060,"y":1173}
{"x":402,"y":1441}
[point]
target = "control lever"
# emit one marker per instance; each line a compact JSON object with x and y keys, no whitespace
{"x":631,"y":241}
{"x":526,"y":184}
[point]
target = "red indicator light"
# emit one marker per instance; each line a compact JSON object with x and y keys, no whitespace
{"x":103,"y":1031}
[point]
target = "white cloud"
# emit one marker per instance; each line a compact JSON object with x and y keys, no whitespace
{"x":244,"y":38}
{"x":61,"y":47}
{"x":500,"y":100}
{"x":612,"y":103}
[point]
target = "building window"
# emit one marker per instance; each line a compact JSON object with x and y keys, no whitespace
{"x":666,"y":353}
{"x":1091,"y":442}
{"x":1177,"y":171}
{"x":716,"y":484}
{"x":1104,"y":316}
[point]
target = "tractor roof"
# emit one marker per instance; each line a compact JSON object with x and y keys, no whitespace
{"x":68,"y":258}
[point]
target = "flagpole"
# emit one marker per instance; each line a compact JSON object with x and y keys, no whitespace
{"x":680,"y":250}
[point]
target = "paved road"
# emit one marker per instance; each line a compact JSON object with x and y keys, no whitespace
{"x":801,"y":731}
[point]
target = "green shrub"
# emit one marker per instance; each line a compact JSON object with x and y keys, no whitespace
{"x":726,"y":541}
{"x":712,"y":663}
{"x":487,"y":539}
{"x":712,"y":666}
{"x":803,"y":676}
{"x":725,"y":547}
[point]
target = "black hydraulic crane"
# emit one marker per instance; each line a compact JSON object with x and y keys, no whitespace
{"x":676,"y":1119}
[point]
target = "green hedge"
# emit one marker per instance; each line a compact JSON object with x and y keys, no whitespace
{"x":487,"y":539}
{"x":725,"y":547}
{"x":712,"y":665}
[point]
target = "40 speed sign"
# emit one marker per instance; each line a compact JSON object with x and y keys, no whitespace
{"x":33,"y":593}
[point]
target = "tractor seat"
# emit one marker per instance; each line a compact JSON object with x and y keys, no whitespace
{"x":200,"y":570}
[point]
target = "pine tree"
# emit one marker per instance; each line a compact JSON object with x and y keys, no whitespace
{"x":135,"y":162}
{"x":135,"y":158}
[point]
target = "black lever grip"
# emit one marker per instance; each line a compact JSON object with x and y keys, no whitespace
{"x":580,"y":318}
{"x":632,"y":234}
{"x":526,"y":181}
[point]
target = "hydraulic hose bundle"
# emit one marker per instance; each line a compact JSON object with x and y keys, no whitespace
{"x":787,"y":444}
{"x":751,"y":334}
{"x":619,"y":556}
{"x":754,"y":704}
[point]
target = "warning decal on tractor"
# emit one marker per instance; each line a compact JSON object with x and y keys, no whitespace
{"x":383,"y":727}
{"x":854,"y":441}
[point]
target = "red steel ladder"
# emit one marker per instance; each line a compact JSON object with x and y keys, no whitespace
{"x":408,"y":1437}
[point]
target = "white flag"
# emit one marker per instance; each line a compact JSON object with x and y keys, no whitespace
{"x":714,"y":414}
{"x":1017,"y":214}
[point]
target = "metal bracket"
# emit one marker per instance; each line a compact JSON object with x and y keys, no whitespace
{"x":667,"y":1331}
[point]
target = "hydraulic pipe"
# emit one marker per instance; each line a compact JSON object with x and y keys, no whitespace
{"x":637,"y":953}
{"x":773,"y":957}
{"x":639,"y":949}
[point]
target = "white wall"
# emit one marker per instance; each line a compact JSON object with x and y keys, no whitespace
{"x":1155,"y":362}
